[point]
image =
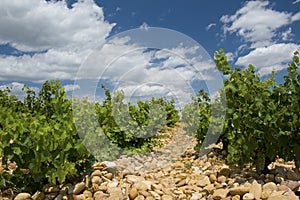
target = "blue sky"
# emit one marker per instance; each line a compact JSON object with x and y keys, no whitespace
{"x":42,"y":40}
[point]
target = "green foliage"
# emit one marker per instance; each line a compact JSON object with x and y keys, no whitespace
{"x":39,"y":134}
{"x":262,"y":118}
{"x":196,"y":116}
{"x":133,"y":128}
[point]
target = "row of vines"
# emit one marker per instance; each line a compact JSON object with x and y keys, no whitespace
{"x":39,"y":140}
{"x":260,"y":118}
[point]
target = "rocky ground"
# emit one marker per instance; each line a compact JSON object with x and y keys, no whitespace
{"x":168,"y":174}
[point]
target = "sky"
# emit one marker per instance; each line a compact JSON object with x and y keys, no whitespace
{"x":145,"y":48}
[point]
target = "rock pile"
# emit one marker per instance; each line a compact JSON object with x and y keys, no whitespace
{"x":187,"y":178}
{"x":158,"y":176}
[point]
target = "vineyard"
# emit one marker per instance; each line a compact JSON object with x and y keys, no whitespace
{"x":257,"y":122}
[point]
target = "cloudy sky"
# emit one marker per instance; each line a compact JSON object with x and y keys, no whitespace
{"x":84,"y":43}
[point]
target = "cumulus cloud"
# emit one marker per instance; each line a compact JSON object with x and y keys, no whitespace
{"x":296,"y":17}
{"x":209,"y":26}
{"x":71,"y":87}
{"x":144,"y":26}
{"x":61,"y":37}
{"x":230,"y":56}
{"x":264,"y":33}
{"x":266,"y":59}
{"x":57,"y":40}
{"x":286,"y":35}
{"x":256,"y":23}
{"x":17,"y":89}
{"x":143,"y":72}
{"x":296,"y":1}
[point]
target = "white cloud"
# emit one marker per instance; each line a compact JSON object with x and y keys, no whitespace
{"x":257,"y":23}
{"x":296,"y":1}
{"x":143,"y":73}
{"x":263,"y":31}
{"x":63,"y":37}
{"x":209,"y":26}
{"x":296,"y":17}
{"x":230,"y":56}
{"x":17,"y":89}
{"x":266,"y":59}
{"x":286,"y":35}
{"x":71,"y":87}
{"x":144,"y":26}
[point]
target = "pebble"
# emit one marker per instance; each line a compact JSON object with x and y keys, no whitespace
{"x":269,"y":186}
{"x":79,"y":187}
{"x":248,"y":196}
{"x":256,"y":189}
{"x":220,"y":194}
{"x":133,"y":193}
{"x":240,"y":190}
{"x":23,"y":196}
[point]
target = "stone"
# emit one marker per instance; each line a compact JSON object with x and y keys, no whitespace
{"x":221,"y":179}
{"x":149,"y":198}
{"x":140,"y":197}
{"x":38,"y":196}
{"x":196,"y":196}
{"x":286,"y":196}
{"x":154,"y":195}
{"x":279,"y":178}
{"x":212,"y":178}
{"x":256,"y":189}
{"x":281,"y":170}
{"x":220,"y":194}
{"x":269,"y":186}
{"x":115,"y":194}
{"x":248,"y":196}
{"x":51,"y":188}
{"x":209,"y":188}
{"x":144,"y":193}
{"x":134,"y":178}
{"x":96,"y":180}
{"x":87,"y":194}
{"x":225,"y":171}
{"x":96,"y":173}
{"x":266,"y":194}
{"x":240,"y":190}
{"x":293,"y":176}
{"x":103,"y":188}
{"x":109,"y":176}
{"x":113,"y":184}
{"x":182,"y":196}
{"x":203,"y":181}
{"x":98,"y":166}
{"x":181,"y":183}
{"x":241,"y":180}
{"x":23,"y":196}
{"x":141,"y":186}
{"x":156,"y":186}
{"x":236,"y":197}
{"x":79,"y":197}
{"x":99,"y":195}
{"x":51,"y":196}
{"x":133,"y":193}
{"x":59,"y":197}
{"x":293,"y":185}
{"x":270,"y":177}
{"x":178,"y":165}
{"x":79,"y":187}
{"x":166,"y":197}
